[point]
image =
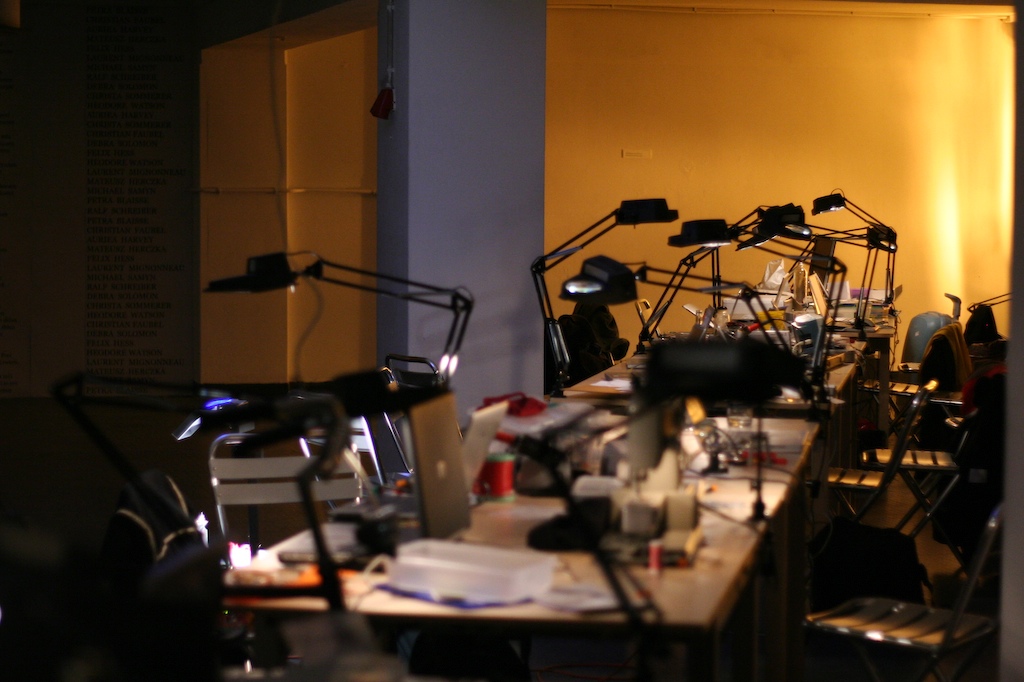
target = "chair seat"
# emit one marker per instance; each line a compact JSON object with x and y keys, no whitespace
{"x":854,"y":479}
{"x":932,"y":633}
{"x":899,"y":388}
{"x":900,"y":623}
{"x":895,"y":387}
{"x":932,"y":461}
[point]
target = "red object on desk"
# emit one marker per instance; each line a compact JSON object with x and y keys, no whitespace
{"x":519,"y":404}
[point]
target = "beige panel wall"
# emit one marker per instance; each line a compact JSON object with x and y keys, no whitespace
{"x":332,"y":176}
{"x":912,"y":117}
{"x":243,"y":337}
{"x":288,"y":164}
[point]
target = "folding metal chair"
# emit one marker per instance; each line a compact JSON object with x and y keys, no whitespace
{"x":848,"y":483}
{"x":930,"y":475}
{"x":946,"y":359}
{"x":870,"y":624}
{"x":411,"y":370}
{"x":256,"y":481}
{"x":404,"y":371}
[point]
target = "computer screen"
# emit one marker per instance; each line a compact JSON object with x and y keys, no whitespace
{"x":824,"y":248}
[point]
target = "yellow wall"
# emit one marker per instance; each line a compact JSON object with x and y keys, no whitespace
{"x":719,"y":112}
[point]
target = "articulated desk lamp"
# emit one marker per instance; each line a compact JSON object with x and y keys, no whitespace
{"x":875,"y":237}
{"x":826,"y":299}
{"x":274,"y":271}
{"x":606,"y":281}
{"x":782,"y":225}
{"x":766,"y":223}
{"x":629,"y":212}
{"x":707,"y":236}
{"x":293,"y":417}
{"x":741,"y":370}
{"x":760,"y":225}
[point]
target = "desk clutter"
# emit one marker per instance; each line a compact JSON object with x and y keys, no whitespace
{"x":644,"y":517}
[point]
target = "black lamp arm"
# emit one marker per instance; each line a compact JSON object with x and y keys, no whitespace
{"x":537,"y":270}
{"x":542,"y":264}
{"x":337,"y":438}
{"x":742,"y":227}
{"x":458,"y":300}
{"x":862,"y":214}
{"x":994,"y":301}
{"x":674,"y":286}
{"x":563,"y":251}
{"x":747,"y":293}
{"x":70,"y":394}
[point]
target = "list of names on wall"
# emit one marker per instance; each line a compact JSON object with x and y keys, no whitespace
{"x":138,"y":182}
{"x":13,"y":338}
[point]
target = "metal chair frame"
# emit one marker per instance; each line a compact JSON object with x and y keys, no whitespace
{"x":845,"y":483}
{"x":934,"y":633}
{"x":405,"y":378}
{"x":257,"y":481}
{"x":939,"y":474}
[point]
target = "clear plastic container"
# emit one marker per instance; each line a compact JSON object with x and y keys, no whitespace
{"x":447,"y":571}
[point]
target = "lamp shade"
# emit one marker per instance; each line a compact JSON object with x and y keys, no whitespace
{"x":829,"y":203}
{"x":709,"y":233}
{"x":262,"y":273}
{"x":778,"y":221}
{"x":882,"y":237}
{"x":784,"y":221}
{"x":602,"y":280}
{"x":637,"y":211}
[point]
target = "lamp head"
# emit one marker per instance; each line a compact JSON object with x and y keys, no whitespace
{"x":778,"y":221}
{"x":637,"y":211}
{"x":882,"y":237}
{"x":262,"y":273}
{"x":195,"y":419}
{"x":828,"y":204}
{"x":602,"y":281}
{"x":707,"y":233}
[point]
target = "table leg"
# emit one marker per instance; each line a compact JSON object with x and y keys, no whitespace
{"x":785,"y":593}
{"x":882,"y":345}
{"x":703,"y":658}
{"x":746,"y":653}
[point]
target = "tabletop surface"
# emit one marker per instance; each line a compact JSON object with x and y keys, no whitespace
{"x":692,"y":599}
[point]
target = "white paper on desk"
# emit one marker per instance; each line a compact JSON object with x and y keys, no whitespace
{"x":624,"y":385}
{"x":774,"y":277}
{"x":578,"y":598}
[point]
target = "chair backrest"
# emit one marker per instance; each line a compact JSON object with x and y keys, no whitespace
{"x":257,"y":480}
{"x":979,"y":560}
{"x":411,"y":370}
{"x":911,"y":418}
{"x":405,"y":371}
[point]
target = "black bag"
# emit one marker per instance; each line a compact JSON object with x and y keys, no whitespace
{"x":148,"y":527}
{"x":586,"y":358}
{"x":981,"y":325}
{"x":850,"y":560}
